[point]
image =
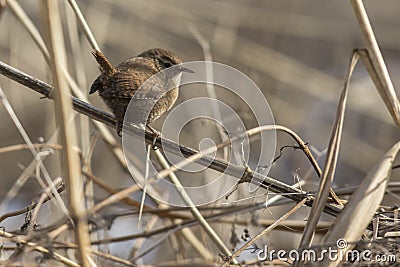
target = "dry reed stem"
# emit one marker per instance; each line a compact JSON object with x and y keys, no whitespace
{"x":330,"y":163}
{"x":383,"y":82}
{"x":63,"y":108}
{"x":84,"y":134}
{"x":14,"y":148}
{"x":85,"y":27}
{"x":360,"y":209}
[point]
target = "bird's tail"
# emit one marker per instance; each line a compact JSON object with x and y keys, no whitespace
{"x":105,"y":65}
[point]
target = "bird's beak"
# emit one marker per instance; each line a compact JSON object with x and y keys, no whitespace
{"x":183,"y":69}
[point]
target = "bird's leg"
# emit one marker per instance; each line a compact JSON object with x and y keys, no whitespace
{"x":156,"y":135}
{"x":119,"y":128}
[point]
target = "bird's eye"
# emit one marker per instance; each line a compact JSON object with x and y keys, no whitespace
{"x":167,"y":64}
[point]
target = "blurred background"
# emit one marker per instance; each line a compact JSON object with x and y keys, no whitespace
{"x":297,"y":52}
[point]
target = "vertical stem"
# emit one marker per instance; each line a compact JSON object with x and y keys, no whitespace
{"x":83,"y":120}
{"x":63,"y":108}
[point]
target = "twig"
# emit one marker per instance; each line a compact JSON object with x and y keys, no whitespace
{"x":189,"y":223}
{"x":25,"y":146}
{"x":54,"y":255}
{"x":28,"y":208}
{"x":302,"y":145}
{"x":43,"y":198}
{"x":85,"y":27}
{"x":107,"y":188}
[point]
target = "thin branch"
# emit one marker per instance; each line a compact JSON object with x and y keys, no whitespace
{"x":165,"y":144}
{"x":43,"y":198}
{"x":30,"y":207}
{"x":188,"y":223}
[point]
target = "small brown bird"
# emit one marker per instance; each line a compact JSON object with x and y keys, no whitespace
{"x":118,"y":85}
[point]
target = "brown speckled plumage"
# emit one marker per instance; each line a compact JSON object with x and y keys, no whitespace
{"x":118,"y":85}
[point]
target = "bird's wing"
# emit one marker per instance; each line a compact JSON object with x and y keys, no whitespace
{"x":124,"y":84}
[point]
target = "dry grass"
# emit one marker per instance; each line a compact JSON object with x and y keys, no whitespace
{"x":295,"y":51}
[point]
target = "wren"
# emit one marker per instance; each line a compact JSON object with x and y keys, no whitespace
{"x":117,"y":86}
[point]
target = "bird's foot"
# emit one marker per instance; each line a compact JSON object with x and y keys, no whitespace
{"x":119,"y":129}
{"x":156,"y":134}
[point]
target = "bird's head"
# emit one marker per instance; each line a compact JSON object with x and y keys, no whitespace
{"x":165,"y":59}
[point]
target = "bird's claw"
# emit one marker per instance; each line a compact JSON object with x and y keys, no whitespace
{"x":156,"y":134}
{"x":119,"y":129}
